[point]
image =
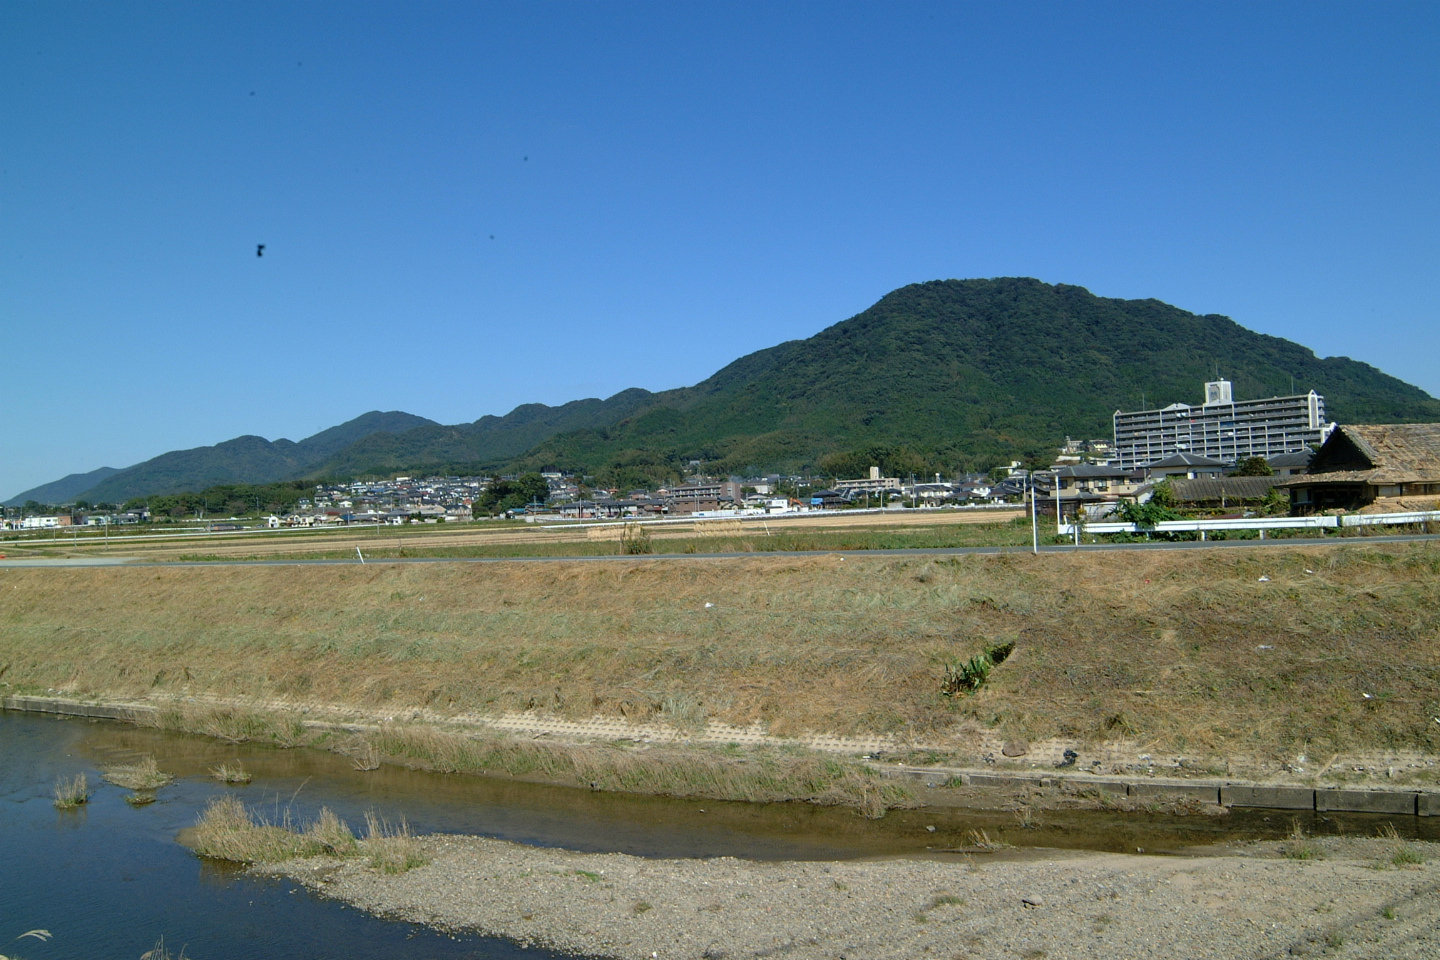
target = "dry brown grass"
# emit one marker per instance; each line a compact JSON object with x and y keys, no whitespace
{"x":753,"y":776}
{"x":72,"y":793}
{"x":227,"y":830}
{"x":1168,"y":641}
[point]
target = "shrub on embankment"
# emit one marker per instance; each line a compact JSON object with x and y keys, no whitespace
{"x":1188,"y":651}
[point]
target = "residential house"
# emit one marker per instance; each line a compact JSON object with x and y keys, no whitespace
{"x":1187,"y":466}
{"x":1222,"y":492}
{"x":1291,"y":464}
{"x":1376,"y":466}
{"x":1106,"y":481}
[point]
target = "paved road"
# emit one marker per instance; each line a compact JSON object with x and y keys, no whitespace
{"x":612,"y":558}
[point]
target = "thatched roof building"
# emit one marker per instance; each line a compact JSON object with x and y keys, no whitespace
{"x":1361,"y":464}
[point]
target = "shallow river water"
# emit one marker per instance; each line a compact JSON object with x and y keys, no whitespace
{"x":108,"y":880}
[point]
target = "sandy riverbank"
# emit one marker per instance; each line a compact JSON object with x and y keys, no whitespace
{"x":1348,"y":898}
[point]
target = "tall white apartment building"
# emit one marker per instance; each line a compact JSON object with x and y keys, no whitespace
{"x":1221,"y":428}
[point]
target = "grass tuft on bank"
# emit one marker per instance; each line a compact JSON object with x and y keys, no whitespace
{"x":228,"y":830}
{"x":143,"y":776}
{"x":72,"y":792}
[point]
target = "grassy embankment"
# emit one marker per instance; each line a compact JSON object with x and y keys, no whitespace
{"x":1180,"y":653}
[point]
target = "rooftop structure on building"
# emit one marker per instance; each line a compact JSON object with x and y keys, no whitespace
{"x":1222,"y":428}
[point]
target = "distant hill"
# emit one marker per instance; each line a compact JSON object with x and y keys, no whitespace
{"x":63,"y":490}
{"x":246,"y":459}
{"x":940,"y":375}
{"x":489,"y":440}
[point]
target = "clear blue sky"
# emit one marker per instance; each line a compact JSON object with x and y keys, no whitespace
{"x":668,"y":186}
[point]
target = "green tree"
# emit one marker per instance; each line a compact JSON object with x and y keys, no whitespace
{"x":1254,"y":467}
{"x":505,"y":495}
{"x":1159,"y":508}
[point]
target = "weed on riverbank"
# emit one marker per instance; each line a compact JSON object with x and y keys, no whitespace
{"x":760,"y":776}
{"x":141,"y":777}
{"x":71,"y":793}
{"x":232,"y":773}
{"x":228,"y":830}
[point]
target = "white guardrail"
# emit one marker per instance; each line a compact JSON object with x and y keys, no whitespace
{"x":1256,"y":523}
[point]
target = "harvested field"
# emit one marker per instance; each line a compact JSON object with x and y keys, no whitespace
{"x":1178,"y":654}
{"x":835,"y":531}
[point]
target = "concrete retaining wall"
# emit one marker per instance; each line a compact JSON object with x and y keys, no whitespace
{"x":1367,"y":801}
{"x":76,"y":708}
{"x":1397,"y":802}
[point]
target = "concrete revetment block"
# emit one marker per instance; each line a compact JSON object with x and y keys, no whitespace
{"x":1366,"y":801}
{"x":1274,"y":798}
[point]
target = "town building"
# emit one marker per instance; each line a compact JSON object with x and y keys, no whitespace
{"x":873,"y":484}
{"x":712,"y":491}
{"x":1221,"y":428}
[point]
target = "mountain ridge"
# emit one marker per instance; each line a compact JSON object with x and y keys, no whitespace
{"x":942,"y":374}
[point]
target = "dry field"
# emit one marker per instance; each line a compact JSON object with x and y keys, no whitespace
{"x":508,"y":538}
{"x":1178,"y":653}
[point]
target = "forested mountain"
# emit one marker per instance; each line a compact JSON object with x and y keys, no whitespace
{"x":962,"y":373}
{"x":242,"y":460}
{"x":64,"y":490}
{"x":936,"y":376}
{"x":489,"y":440}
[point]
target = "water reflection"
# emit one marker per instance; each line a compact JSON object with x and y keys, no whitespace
{"x":109,"y":879}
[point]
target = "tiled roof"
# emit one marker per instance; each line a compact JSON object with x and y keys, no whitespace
{"x":1185,"y":460}
{"x":1224,"y":488}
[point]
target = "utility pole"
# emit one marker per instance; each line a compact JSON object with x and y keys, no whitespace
{"x":1034,"y":521}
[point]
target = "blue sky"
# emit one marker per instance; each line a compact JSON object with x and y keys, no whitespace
{"x":668,"y":187}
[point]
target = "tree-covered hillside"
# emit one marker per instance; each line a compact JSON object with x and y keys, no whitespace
{"x":965,"y":372}
{"x":946,"y":375}
{"x":241,"y":460}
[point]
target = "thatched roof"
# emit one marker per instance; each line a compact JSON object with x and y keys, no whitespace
{"x":1219,"y":489}
{"x":1377,"y":453}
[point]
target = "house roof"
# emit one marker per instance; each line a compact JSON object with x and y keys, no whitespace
{"x":1285,"y":461}
{"x":1223,"y":488}
{"x":1185,"y":460}
{"x":1084,"y":470}
{"x":1377,"y":453}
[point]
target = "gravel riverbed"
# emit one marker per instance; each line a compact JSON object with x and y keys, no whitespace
{"x":1347,"y":898}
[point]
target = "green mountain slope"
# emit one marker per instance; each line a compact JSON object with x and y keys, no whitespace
{"x":246,"y":459}
{"x":63,"y":490}
{"x":941,"y":375}
{"x":968,"y":371}
{"x":489,"y":440}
